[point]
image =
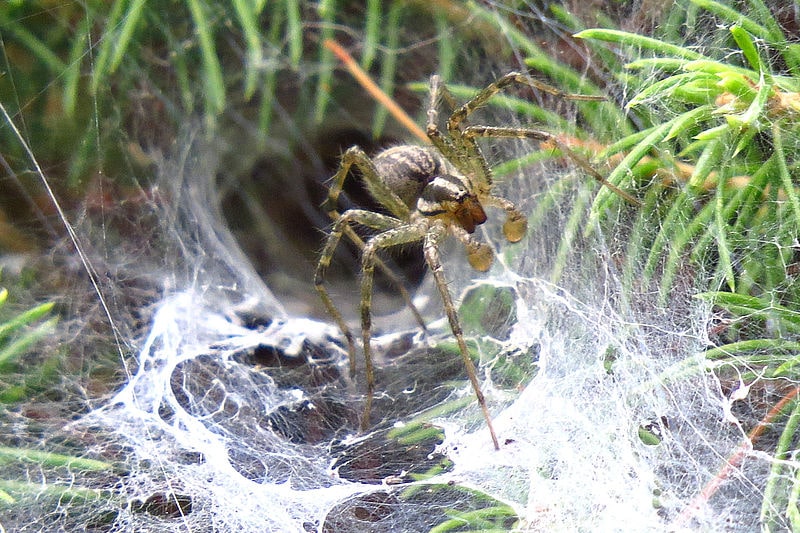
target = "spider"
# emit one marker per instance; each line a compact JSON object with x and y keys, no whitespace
{"x":430,"y":192}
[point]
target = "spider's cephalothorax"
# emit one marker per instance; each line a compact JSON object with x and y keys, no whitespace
{"x":425,"y":181}
{"x":429,"y":192}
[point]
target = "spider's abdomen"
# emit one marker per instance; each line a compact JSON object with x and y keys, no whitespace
{"x":407,"y":170}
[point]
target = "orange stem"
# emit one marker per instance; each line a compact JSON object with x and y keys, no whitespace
{"x":734,"y":460}
{"x":372,"y":88}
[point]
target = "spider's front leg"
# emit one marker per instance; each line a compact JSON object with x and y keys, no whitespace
{"x":355,"y":156}
{"x":439,"y":92}
{"x":433,"y":237}
{"x":401,"y":234}
{"x":473,"y":132}
{"x":480,"y":99}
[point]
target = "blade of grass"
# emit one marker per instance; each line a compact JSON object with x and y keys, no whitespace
{"x":72,"y":76}
{"x":372,"y":33}
{"x":447,"y":52}
{"x":271,"y":76}
{"x":639,"y":42}
{"x":9,"y":352}
{"x":294,"y":32}
{"x":677,"y":246}
{"x":724,"y":263}
{"x":28,"y":40}
{"x":247,"y":16}
{"x":388,"y":66}
{"x":48,"y":459}
{"x":735,"y":16}
{"x":786,"y":178}
{"x":115,"y":44}
{"x":212,"y":71}
{"x":327,"y":12}
{"x":605,"y":196}
{"x":23,"y":319}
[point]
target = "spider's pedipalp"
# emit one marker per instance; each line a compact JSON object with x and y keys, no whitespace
{"x":516,"y":224}
{"x":479,"y":254}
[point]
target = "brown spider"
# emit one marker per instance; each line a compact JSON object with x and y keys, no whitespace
{"x":430,"y":191}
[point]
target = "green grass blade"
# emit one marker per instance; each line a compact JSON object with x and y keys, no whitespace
{"x":725,"y":265}
{"x":605,"y":196}
{"x":327,"y":12}
{"x":40,"y":50}
{"x":248,"y":20}
{"x":10,"y":351}
{"x":212,"y":71}
{"x":372,"y":33}
{"x":785,"y":176}
{"x":640,"y":42}
{"x":447,"y":51}
{"x":23,"y":319}
{"x":115,"y":44}
{"x":776,"y":493}
{"x":294,"y":32}
{"x":388,"y":67}
{"x":52,"y":460}
{"x":735,"y":16}
{"x":742,"y":38}
{"x":72,"y":76}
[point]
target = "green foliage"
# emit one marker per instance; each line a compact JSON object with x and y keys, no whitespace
{"x":85,"y":65}
{"x":727,"y":144}
{"x":485,"y":513}
{"x":20,"y":332}
{"x":714,"y":161}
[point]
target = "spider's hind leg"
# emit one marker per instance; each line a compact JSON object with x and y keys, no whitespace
{"x":355,"y":156}
{"x":340,"y":224}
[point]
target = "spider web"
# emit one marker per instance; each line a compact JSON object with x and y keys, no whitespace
{"x":236,"y":411}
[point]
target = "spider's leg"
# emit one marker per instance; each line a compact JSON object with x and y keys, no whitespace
{"x":480,"y":99}
{"x":393,"y":278}
{"x":439,"y":92}
{"x":431,"y":248}
{"x":383,"y":194}
{"x":391,"y":237}
{"x":522,"y":133}
{"x":341,"y":224}
{"x":356,"y":156}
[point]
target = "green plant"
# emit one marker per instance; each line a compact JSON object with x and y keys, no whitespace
{"x":20,"y":332}
{"x":715,"y":161}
